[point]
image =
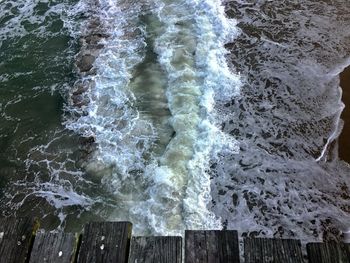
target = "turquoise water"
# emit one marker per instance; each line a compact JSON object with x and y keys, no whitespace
{"x":196,"y":114}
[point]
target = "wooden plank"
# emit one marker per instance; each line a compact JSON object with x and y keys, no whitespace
{"x":54,"y":248}
{"x":16,"y":238}
{"x":328,"y":252}
{"x":156,"y":249}
{"x":263,"y":250}
{"x":211,"y":246}
{"x":105,"y":242}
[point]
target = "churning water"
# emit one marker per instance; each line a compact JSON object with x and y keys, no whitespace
{"x":175,"y":114}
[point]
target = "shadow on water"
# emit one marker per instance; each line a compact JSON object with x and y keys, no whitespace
{"x":344,"y":139}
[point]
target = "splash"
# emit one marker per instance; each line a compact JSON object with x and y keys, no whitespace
{"x":152,"y":110}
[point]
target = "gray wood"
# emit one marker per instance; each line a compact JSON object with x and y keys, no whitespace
{"x":263,"y":250}
{"x":156,"y":250}
{"x":105,"y":242}
{"x":16,"y":238}
{"x":328,"y":252}
{"x":54,"y":248}
{"x":211,"y":246}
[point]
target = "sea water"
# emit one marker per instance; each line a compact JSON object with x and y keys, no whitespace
{"x":195,"y":115}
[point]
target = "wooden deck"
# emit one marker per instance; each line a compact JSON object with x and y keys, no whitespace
{"x":22,"y":241}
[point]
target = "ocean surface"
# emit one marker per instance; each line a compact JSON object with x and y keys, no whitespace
{"x":175,"y":115}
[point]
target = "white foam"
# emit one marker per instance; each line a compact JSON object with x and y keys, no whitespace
{"x":21,"y":13}
{"x":287,"y":119}
{"x":60,"y":197}
{"x":170,"y":192}
{"x":191,"y":99}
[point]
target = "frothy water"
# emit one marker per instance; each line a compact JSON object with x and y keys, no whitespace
{"x":175,"y":115}
{"x":152,"y":111}
{"x":287,"y":180}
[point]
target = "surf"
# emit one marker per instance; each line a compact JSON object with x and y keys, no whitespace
{"x":151,"y":110}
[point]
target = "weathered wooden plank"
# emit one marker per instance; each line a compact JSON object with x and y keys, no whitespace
{"x":54,"y":248}
{"x":105,"y":242}
{"x":263,"y":250}
{"x":211,"y":246}
{"x":16,"y":238}
{"x":328,"y":252}
{"x":156,"y":249}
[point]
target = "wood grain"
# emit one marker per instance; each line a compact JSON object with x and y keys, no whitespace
{"x":16,"y":238}
{"x":266,"y":250}
{"x":105,"y":242}
{"x":211,"y":246}
{"x":328,"y":252}
{"x":156,"y":249}
{"x":54,"y":248}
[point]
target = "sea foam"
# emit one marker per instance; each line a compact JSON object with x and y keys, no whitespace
{"x":158,"y":166}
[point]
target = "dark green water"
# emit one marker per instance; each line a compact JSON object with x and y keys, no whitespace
{"x":37,"y":51}
{"x":36,"y":65}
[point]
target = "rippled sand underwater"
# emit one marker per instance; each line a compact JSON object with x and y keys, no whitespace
{"x":175,"y":115}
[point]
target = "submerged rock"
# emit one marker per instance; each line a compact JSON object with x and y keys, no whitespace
{"x":85,"y":62}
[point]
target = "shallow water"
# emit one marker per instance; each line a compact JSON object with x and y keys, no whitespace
{"x":195,"y":115}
